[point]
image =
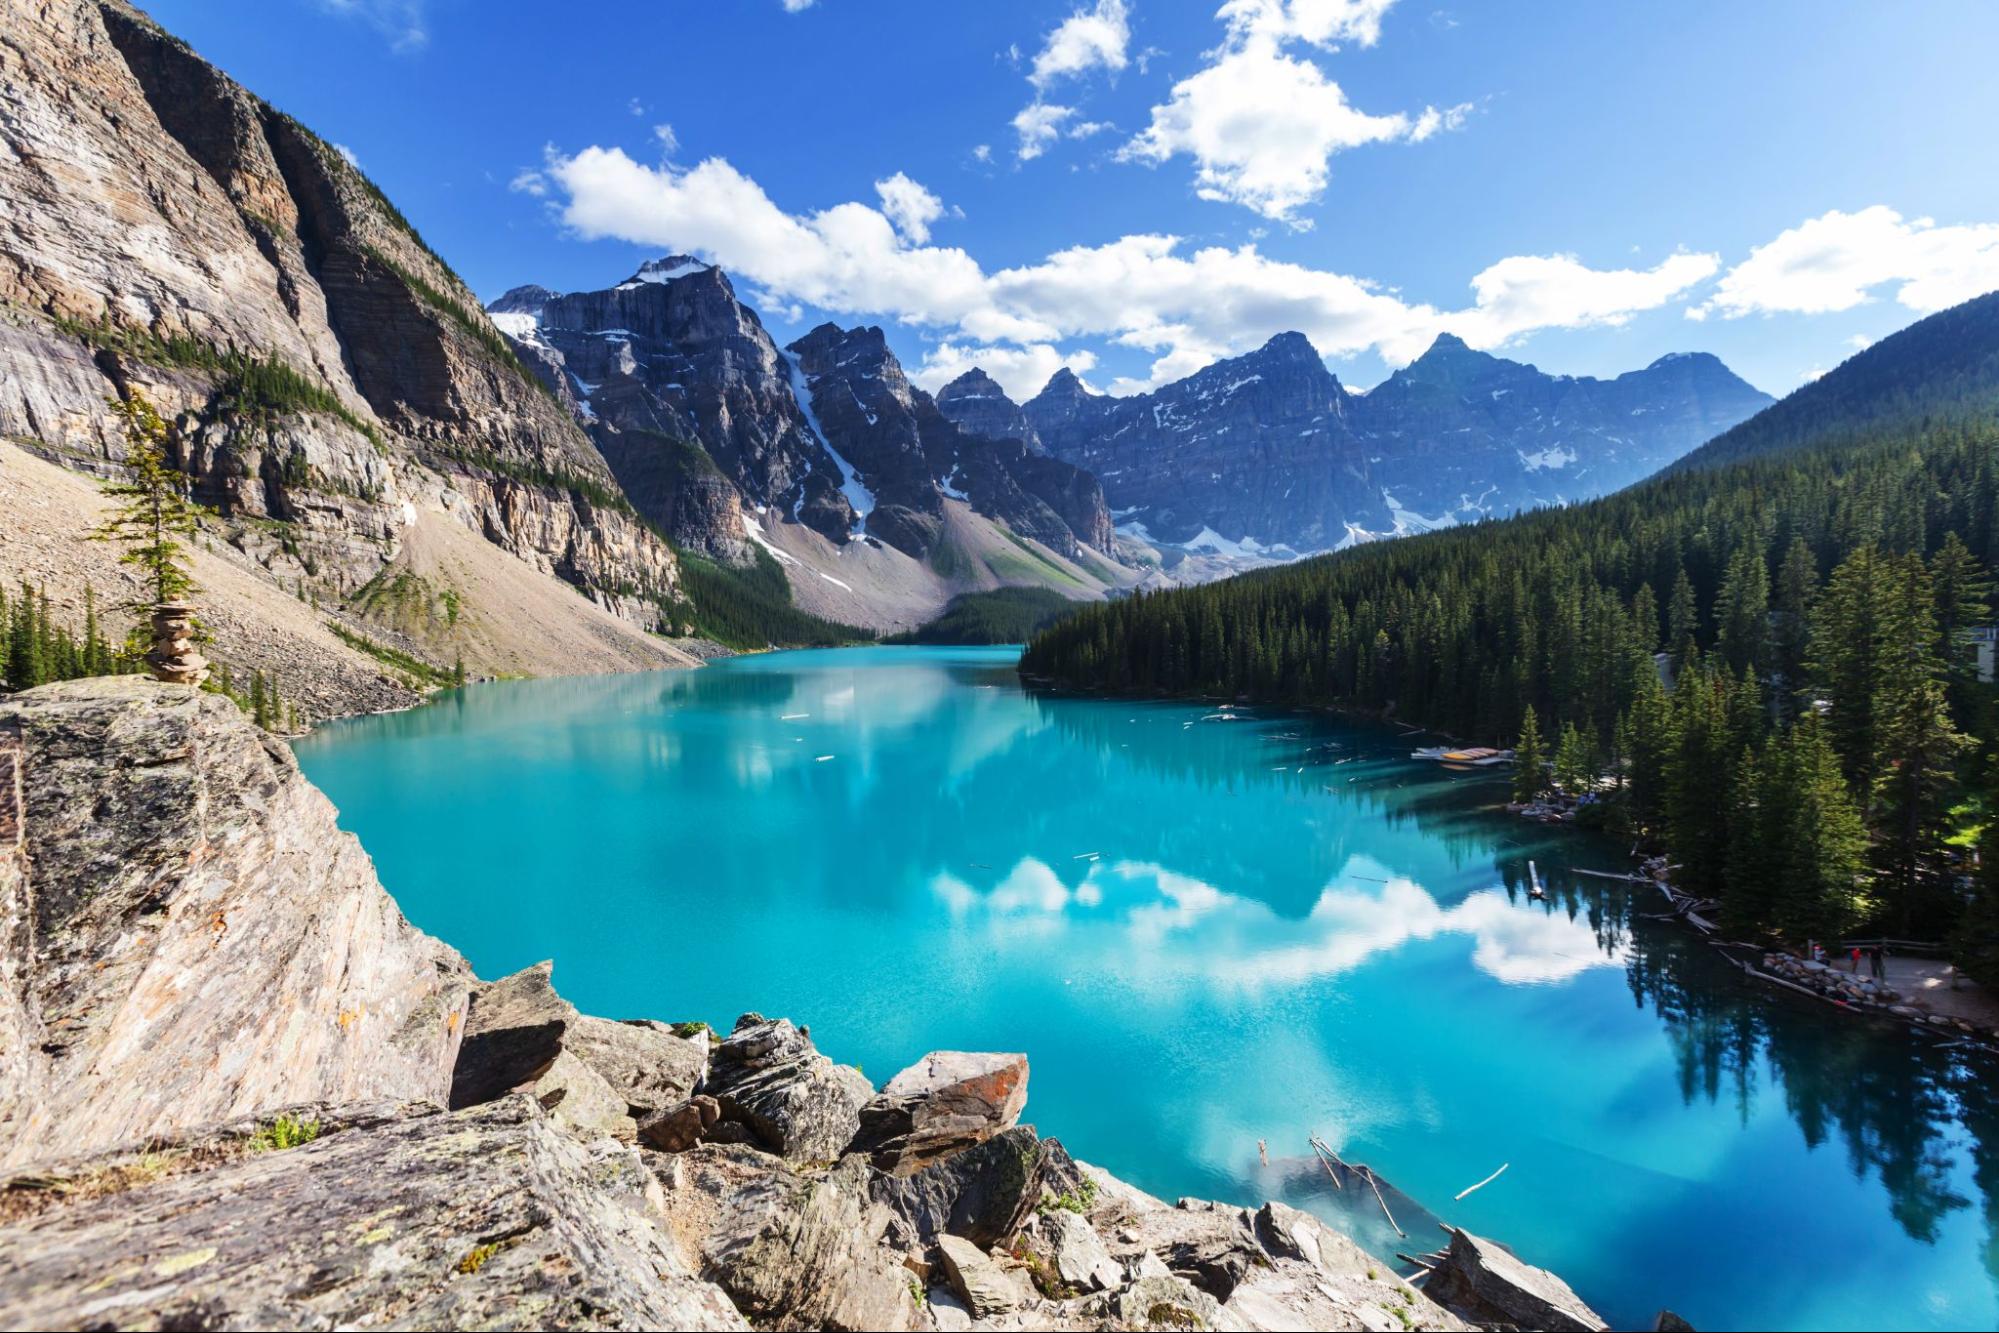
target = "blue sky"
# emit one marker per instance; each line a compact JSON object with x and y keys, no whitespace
{"x":1582,"y":185}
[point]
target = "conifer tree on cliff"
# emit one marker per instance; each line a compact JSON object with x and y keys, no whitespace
{"x":151,"y":522}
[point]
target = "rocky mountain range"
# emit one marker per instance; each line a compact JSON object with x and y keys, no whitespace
{"x":821,"y":453}
{"x":1268,"y":454}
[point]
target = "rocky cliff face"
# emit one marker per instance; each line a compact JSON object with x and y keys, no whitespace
{"x":227,"y":1061}
{"x":326,"y":374}
{"x":191,"y":938}
{"x":680,"y":384}
{"x":1269,"y":455}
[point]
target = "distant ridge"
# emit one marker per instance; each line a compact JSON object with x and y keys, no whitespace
{"x":1944,"y":365}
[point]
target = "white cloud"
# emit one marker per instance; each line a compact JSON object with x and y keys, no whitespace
{"x":530,"y":182}
{"x":982,"y":152}
{"x":1039,"y":124}
{"x":909,"y":206}
{"x":1860,"y":342}
{"x":798,"y":6}
{"x":403,"y":22}
{"x":636,"y":107}
{"x":669,"y":142}
{"x":1089,"y":39}
{"x":1835,"y":261}
{"x":1262,"y":124}
{"x":1144,"y":291}
{"x":347,"y":155}
{"x":1094,"y":38}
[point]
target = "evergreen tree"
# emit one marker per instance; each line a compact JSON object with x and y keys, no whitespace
{"x":1530,"y":778}
{"x":1683,"y":621}
{"x":1575,"y":762}
{"x":1742,"y":613}
{"x":1975,"y":942}
{"x":155,"y":513}
{"x":1797,"y":583}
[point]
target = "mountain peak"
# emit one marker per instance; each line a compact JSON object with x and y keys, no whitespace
{"x":1446,"y":344}
{"x":664,"y":270}
{"x":974,"y":383}
{"x":1290,"y":345}
{"x":1064,"y":383}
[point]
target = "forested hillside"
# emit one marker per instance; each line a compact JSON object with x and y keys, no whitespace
{"x":1945,"y":365}
{"x":1810,"y":745}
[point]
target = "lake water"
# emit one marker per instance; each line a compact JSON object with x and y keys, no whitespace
{"x":1204,"y":933}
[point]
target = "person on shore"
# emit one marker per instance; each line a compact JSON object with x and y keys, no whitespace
{"x":1877,"y":961}
{"x":1855,"y":965}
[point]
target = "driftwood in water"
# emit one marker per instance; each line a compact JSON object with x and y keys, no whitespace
{"x":1483,"y":1183}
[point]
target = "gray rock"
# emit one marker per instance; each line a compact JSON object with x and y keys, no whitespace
{"x":679,"y":1128}
{"x":1164,"y":1302}
{"x":945,"y":1102}
{"x":1486,"y":1283}
{"x":983,"y":1286}
{"x":1076,"y":1253}
{"x":409,"y":1217}
{"x":647,"y":1065}
{"x":767,"y":1076}
{"x":513,"y":1034}
{"x":188,"y":935}
{"x":984,"y":1193}
{"x":792,"y":1249}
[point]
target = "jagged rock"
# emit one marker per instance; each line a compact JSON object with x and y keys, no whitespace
{"x":1164,"y":1302}
{"x":1072,"y":1252}
{"x":514,"y":1033}
{"x":946,"y":1101}
{"x":980,"y":1283}
{"x":679,"y":1128}
{"x":1488,"y":1284}
{"x":409,"y":1217}
{"x":643,"y":1061}
{"x":1668,"y":1322}
{"x":978,"y":404}
{"x":1212,"y":1245}
{"x":767,"y":1076}
{"x":983,"y":1193}
{"x":192,"y":935}
{"x":792,"y":1249}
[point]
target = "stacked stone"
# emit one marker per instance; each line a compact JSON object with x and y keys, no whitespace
{"x":174,"y":658}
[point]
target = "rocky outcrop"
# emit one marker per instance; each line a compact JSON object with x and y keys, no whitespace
{"x":326,"y":375}
{"x":767,"y":1076}
{"x":1488,"y":1284}
{"x":947,"y":1101}
{"x":792,"y":1250}
{"x":389,"y":1216}
{"x":193,"y":937}
{"x":978,"y":404}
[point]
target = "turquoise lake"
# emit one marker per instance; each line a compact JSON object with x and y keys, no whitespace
{"x":1204,"y":933}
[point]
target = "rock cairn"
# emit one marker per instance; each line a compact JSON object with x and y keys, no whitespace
{"x":173,"y":658}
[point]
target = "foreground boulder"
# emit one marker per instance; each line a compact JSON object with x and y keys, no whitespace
{"x":983,"y":1194}
{"x":946,"y":1101}
{"x":595,"y":1075}
{"x":793,"y":1249}
{"x":1490,"y":1285}
{"x":768,"y":1077}
{"x":396,"y":1216}
{"x":187,"y":935}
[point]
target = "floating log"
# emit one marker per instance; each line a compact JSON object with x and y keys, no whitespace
{"x":1374,"y":1183}
{"x":1483,"y":1183}
{"x":1605,"y":874}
